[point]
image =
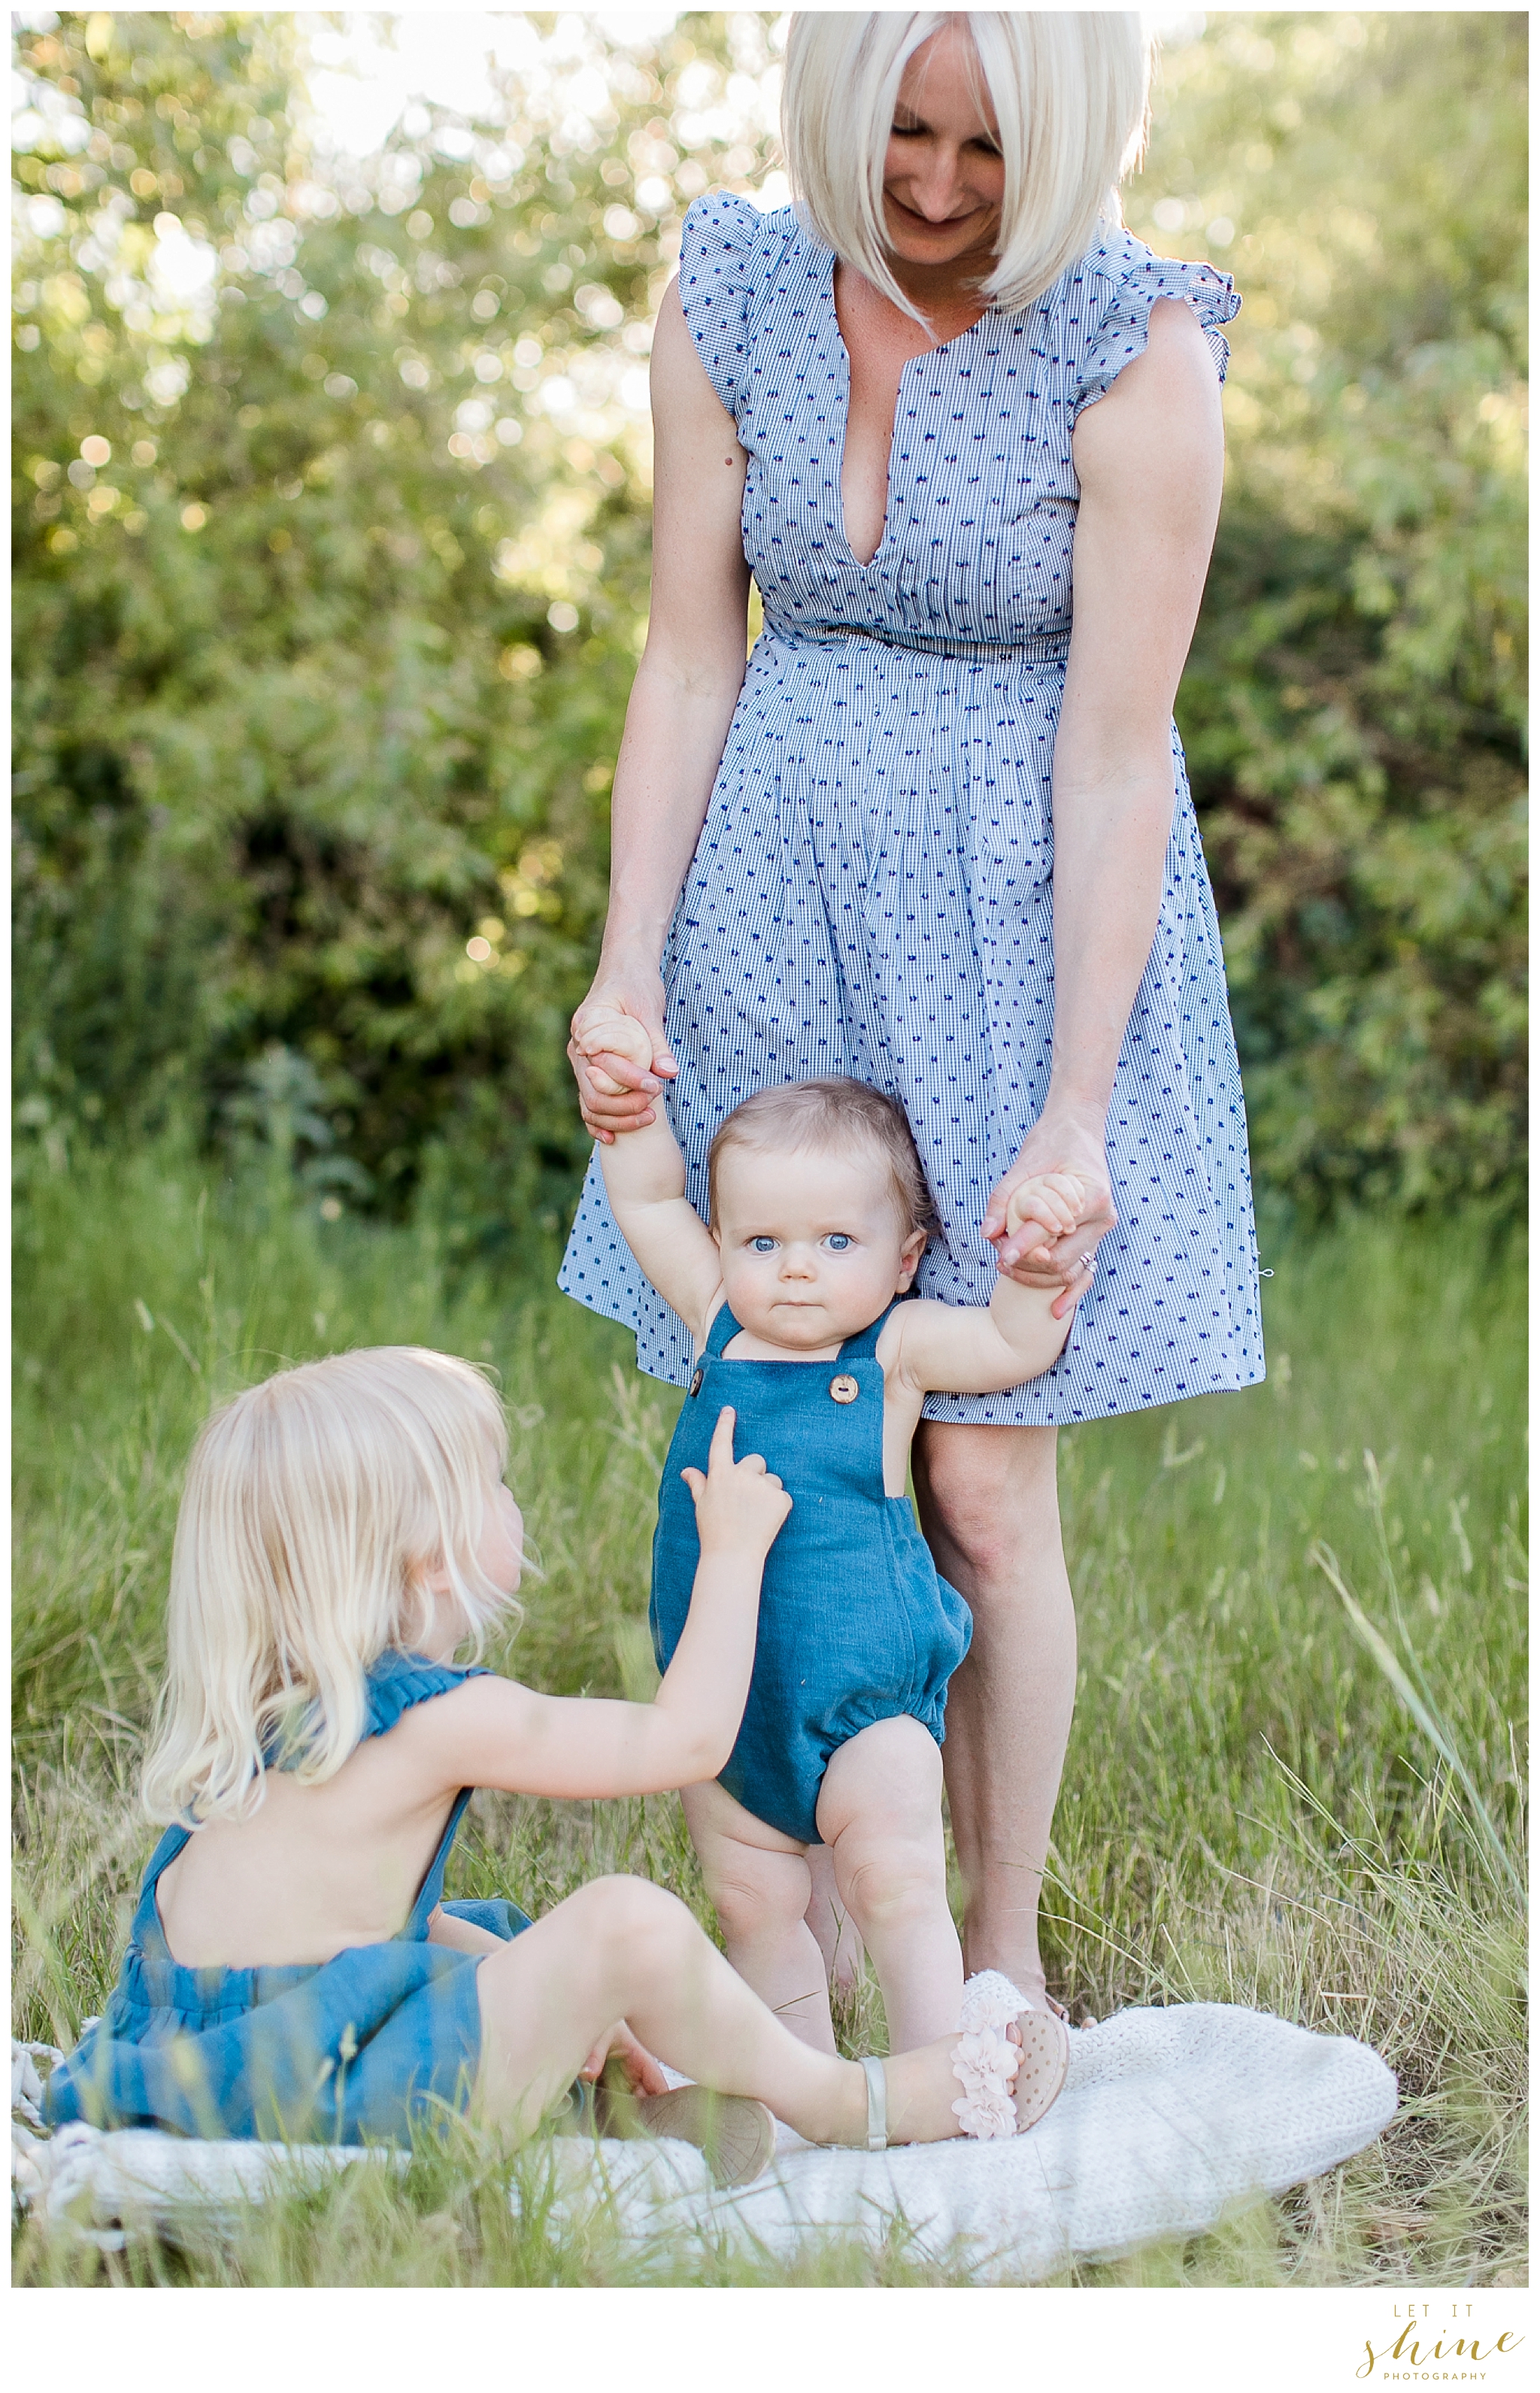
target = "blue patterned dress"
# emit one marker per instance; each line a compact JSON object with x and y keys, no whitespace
{"x":872,"y":892}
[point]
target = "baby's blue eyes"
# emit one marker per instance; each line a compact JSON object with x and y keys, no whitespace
{"x":837,"y":1241}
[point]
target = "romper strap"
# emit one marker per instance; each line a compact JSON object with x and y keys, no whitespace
{"x":723,"y":1327}
{"x":395,"y":1683}
{"x":146,"y":1930}
{"x":397,"y":1680}
{"x":431,"y":1890}
{"x":864,"y":1344}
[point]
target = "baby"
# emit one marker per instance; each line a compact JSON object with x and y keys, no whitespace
{"x":820,"y":1216}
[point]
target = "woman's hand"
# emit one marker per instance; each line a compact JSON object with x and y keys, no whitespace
{"x":1056,"y":1143}
{"x":739,"y":1506}
{"x":615,"y":1090}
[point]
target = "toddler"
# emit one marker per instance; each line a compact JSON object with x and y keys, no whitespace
{"x":819,"y":1215}
{"x":292,"y":1969}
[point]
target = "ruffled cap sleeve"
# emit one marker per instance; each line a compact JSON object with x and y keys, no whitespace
{"x":399,"y":1681}
{"x":1139,"y":278}
{"x":723,"y":263}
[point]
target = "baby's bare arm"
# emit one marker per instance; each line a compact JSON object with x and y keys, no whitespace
{"x":645,"y":1182}
{"x":972,"y":1347}
{"x":975,"y":1348}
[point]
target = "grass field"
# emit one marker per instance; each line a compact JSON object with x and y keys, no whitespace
{"x":1251,"y":1812}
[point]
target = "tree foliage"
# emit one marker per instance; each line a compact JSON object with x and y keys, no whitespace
{"x":1354,"y":708}
{"x":321,"y":662}
{"x":331,"y":555}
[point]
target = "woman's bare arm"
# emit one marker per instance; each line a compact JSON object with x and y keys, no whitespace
{"x":680,"y":706}
{"x":1150,"y":461}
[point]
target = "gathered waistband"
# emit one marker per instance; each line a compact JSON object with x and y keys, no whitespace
{"x":1046,"y":648}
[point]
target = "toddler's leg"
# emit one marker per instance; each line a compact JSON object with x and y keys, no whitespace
{"x":880,"y":1812}
{"x":760,"y":1884}
{"x":623,"y":1949}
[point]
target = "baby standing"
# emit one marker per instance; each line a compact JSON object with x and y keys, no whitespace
{"x":819,"y":1218}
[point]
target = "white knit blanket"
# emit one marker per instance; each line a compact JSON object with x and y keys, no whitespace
{"x":1169,"y":2118}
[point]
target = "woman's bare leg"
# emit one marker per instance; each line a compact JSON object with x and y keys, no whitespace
{"x":989,"y":1506}
{"x":760,"y":1884}
{"x":620,"y":1948}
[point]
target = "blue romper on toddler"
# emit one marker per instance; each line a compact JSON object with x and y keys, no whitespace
{"x":369,"y":2044}
{"x":855,"y":1625}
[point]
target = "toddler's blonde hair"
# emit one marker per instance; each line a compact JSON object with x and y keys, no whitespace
{"x":834,"y":1117}
{"x":316,"y":1505}
{"x":1070,"y":89}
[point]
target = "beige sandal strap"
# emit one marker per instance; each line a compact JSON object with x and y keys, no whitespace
{"x":877,"y":2106}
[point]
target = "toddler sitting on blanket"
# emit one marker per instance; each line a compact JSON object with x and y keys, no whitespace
{"x":819,"y":1215}
{"x":292,"y":1970}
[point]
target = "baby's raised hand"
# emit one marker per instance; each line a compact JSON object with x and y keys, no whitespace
{"x":1057,"y":1202}
{"x":738,"y":1506}
{"x":608,"y":1031}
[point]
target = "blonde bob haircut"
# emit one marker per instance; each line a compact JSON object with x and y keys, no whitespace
{"x":1070,"y":90}
{"x":316,"y":1509}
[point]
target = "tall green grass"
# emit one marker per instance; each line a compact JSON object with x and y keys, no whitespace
{"x":1295,"y":1777}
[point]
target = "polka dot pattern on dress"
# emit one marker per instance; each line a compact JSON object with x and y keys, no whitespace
{"x":872,"y":891}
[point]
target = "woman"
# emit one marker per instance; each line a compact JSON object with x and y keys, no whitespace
{"x":939,"y":836}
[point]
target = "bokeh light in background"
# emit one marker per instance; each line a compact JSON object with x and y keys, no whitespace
{"x":371,"y":67}
{"x":371,"y":73}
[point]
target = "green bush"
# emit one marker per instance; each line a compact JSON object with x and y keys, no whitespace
{"x":1354,"y":708}
{"x":321,"y":668}
{"x":321,"y":662}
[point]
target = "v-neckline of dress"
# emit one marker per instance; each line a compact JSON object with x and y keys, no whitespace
{"x":919,"y":359}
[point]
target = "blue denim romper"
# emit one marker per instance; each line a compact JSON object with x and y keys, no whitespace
{"x":367,"y":2045}
{"x":855,"y":1622}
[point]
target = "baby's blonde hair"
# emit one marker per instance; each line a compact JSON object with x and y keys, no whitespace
{"x":1070,"y":89}
{"x":316,"y":1507}
{"x":836,"y":1117}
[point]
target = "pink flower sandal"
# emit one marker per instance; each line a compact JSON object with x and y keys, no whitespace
{"x":1007,"y":2086}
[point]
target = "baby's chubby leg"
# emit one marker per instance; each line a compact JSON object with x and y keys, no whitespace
{"x":838,"y":1938}
{"x":760,"y":1882}
{"x":880,"y":1813}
